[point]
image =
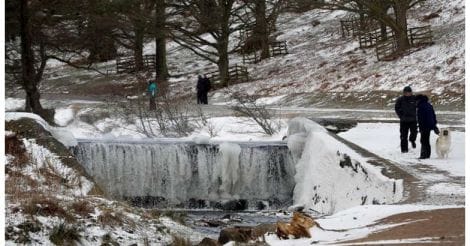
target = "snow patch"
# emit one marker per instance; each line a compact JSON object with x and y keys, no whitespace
{"x":331,"y":177}
{"x":14,"y":104}
{"x":62,"y":135}
{"x":201,"y":139}
{"x":64,"y":116}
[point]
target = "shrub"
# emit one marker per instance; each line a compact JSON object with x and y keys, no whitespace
{"x":46,"y":206}
{"x":248,"y":107}
{"x":63,"y":234}
{"x":179,"y":217}
{"x":82,"y":208}
{"x":107,"y":240}
{"x":180,"y":241}
{"x":109,"y":218}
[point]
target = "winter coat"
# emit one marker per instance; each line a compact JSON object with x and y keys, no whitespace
{"x":426,"y":115}
{"x":207,"y":84}
{"x":152,"y":89}
{"x":405,"y":107}
{"x":203,"y":85}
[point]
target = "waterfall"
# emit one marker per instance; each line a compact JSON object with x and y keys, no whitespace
{"x":175,"y":172}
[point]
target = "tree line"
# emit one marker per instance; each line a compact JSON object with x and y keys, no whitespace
{"x":82,"y":33}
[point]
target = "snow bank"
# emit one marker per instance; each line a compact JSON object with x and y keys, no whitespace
{"x":352,"y":223}
{"x":64,"y":116}
{"x":62,"y":135}
{"x":365,"y":135}
{"x":42,"y":157}
{"x":14,"y":104}
{"x":201,"y":139}
{"x":330,"y":176}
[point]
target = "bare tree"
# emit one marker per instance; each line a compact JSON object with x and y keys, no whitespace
{"x":265,"y":14}
{"x":377,"y":9}
{"x":246,"y":105}
{"x":216,"y":17}
{"x":47,"y":30}
{"x":134,"y":25}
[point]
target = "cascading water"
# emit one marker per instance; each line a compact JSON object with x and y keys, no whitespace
{"x":176,"y":172}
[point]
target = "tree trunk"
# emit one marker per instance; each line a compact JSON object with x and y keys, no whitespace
{"x":160,"y":43}
{"x":29,"y":80}
{"x":222,"y":43}
{"x":261,"y":31}
{"x":223,"y":64}
{"x":401,"y":32}
{"x":383,"y":32}
{"x":138,"y":48}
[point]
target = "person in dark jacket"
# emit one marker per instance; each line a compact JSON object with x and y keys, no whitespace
{"x":427,"y":122}
{"x":199,"y":88}
{"x":405,"y":108}
{"x":206,"y":89}
{"x":203,"y":87}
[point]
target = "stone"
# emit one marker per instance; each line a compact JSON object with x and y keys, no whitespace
{"x":245,"y":234}
{"x":209,"y":242}
{"x":237,"y":234}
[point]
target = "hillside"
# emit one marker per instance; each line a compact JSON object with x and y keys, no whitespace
{"x":322,"y":69}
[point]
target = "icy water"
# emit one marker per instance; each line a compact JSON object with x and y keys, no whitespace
{"x":197,"y":219}
{"x":171,"y":173}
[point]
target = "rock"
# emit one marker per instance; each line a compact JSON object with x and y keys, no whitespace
{"x":261,"y":205}
{"x":237,"y":234}
{"x":208,"y":242}
{"x":245,"y":234}
{"x":197,"y":203}
{"x":298,"y":227}
{"x":233,"y":205}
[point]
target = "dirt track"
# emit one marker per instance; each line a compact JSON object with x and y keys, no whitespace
{"x":441,"y":226}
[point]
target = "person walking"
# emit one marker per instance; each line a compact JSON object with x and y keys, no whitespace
{"x":199,"y":89}
{"x":206,"y":89}
{"x":152,"y":93}
{"x":405,"y":108}
{"x":427,"y":122}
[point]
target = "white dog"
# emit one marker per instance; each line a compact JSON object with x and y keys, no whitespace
{"x":443,"y":143}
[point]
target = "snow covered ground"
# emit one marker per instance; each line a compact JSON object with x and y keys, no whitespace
{"x":350,"y":224}
{"x":322,"y":68}
{"x":44,"y":195}
{"x":383,"y":139}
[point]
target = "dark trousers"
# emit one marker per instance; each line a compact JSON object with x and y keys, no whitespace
{"x":202,"y":97}
{"x":425,"y":145}
{"x":152,"y":103}
{"x":406,"y":127}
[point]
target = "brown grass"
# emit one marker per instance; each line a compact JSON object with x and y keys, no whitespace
{"x":110,"y":218}
{"x":46,"y":206}
{"x":15,"y":147}
{"x":152,"y":214}
{"x":82,"y":208}
{"x":180,"y":241}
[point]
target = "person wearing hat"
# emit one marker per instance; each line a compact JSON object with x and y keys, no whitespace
{"x":427,"y":122}
{"x":405,"y":108}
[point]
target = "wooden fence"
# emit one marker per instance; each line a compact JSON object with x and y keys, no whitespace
{"x":355,"y":26}
{"x":420,"y":36}
{"x":386,"y":50}
{"x":278,"y":48}
{"x":251,"y":58}
{"x":370,"y":39}
{"x":236,"y":74}
{"x":127,"y":64}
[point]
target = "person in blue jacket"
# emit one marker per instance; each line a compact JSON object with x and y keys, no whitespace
{"x":152,"y":92}
{"x":426,"y":122}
